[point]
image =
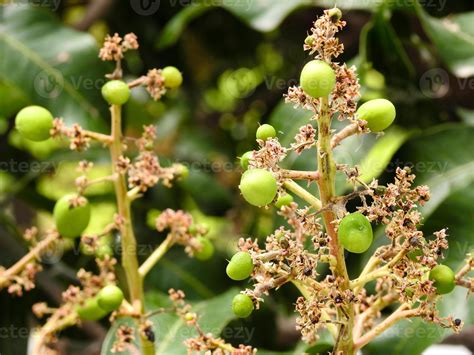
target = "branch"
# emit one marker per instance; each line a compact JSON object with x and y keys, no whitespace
{"x":103,"y":138}
{"x":128,"y":240}
{"x":156,"y":256}
{"x":468,"y":267}
{"x":465,"y":269}
{"x":138,"y":82}
{"x":25,"y":260}
{"x":52,"y":326}
{"x":402,"y":312}
{"x":376,"y":307}
{"x":382,"y":271}
{"x":369,"y":267}
{"x":303,"y":193}
{"x":300,"y":175}
{"x":343,"y":134}
{"x":327,"y":194}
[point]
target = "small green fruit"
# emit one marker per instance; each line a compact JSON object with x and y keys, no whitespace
{"x":284,"y":200}
{"x":193,"y":229}
{"x":309,"y":41}
{"x":91,"y":310}
{"x":206,"y":251}
{"x":116,"y":92}
{"x":443,"y":277}
{"x":317,"y":79}
{"x":379,"y":114}
{"x":242,"y":305}
{"x":258,"y":187}
{"x":240,"y":266}
{"x":182,"y":171}
{"x":335,"y":14}
{"x":374,"y":79}
{"x":266,"y":131}
{"x":409,"y":291}
{"x":34,"y":123}
{"x":71,"y":221}
{"x":173,"y":77}
{"x":244,"y":160}
{"x":110,"y":298}
{"x":355,"y":233}
{"x":190,"y":316}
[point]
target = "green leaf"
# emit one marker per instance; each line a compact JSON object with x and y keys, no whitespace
{"x":287,"y":120}
{"x":216,"y":199}
{"x":171,"y":331}
{"x":186,"y":277}
{"x":379,"y":156}
{"x":442,"y":159}
{"x":265,"y":16}
{"x":12,"y":100}
{"x":52,"y":65}
{"x":453,"y":37}
{"x":178,"y":23}
{"x":384,"y":46}
{"x":261,"y":15}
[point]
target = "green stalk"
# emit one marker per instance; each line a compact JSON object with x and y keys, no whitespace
{"x":327,"y":194}
{"x":155,"y":256}
{"x":129,"y":243}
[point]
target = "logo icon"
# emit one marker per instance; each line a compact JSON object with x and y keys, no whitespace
{"x":52,"y":253}
{"x":434,"y":83}
{"x":48,"y":84}
{"x":145,"y":7}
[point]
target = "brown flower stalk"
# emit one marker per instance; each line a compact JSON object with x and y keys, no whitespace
{"x":400,"y":270}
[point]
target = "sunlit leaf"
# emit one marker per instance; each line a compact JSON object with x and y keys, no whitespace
{"x":54,"y":66}
{"x":454,"y":40}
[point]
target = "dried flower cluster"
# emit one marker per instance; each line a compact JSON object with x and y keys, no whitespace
{"x":133,"y":172}
{"x":65,"y":315}
{"x":351,"y":313}
{"x":204,"y":342}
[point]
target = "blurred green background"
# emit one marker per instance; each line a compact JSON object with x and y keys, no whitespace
{"x":238,"y":57}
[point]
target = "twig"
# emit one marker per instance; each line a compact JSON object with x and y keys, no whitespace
{"x":343,"y":134}
{"x":303,"y":193}
{"x":53,"y":325}
{"x":32,"y":254}
{"x":103,"y":138}
{"x":300,"y":175}
{"x":402,"y":312}
{"x":377,"y":306}
{"x":382,"y":271}
{"x":155,"y":256}
{"x":138,"y":82}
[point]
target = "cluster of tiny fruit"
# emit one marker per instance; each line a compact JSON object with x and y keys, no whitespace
{"x":406,"y":272}
{"x":99,"y":294}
